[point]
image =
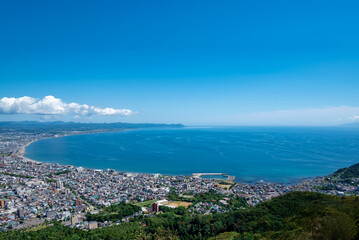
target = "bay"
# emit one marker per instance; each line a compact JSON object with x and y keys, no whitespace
{"x":275,"y":154}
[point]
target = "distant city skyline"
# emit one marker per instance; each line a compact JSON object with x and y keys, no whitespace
{"x":197,"y":63}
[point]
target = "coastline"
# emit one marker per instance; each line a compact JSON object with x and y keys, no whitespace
{"x":22,"y":150}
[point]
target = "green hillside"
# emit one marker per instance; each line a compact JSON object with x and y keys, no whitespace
{"x":296,"y":215}
{"x":347,"y":173}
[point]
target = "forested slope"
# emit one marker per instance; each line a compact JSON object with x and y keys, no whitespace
{"x":296,"y":215}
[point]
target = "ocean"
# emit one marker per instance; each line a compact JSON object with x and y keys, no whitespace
{"x":274,"y":154}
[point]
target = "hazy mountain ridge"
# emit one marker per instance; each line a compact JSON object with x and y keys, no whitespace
{"x":74,"y":126}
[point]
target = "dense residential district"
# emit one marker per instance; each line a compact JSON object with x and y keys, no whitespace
{"x":35,"y":193}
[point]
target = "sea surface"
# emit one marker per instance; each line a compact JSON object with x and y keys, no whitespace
{"x":274,"y":154}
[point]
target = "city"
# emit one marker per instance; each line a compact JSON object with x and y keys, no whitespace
{"x":34,"y":193}
{"x":179,"y":120}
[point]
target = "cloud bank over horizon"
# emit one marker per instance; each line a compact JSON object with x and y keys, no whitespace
{"x":326,"y":116}
{"x":50,"y":106}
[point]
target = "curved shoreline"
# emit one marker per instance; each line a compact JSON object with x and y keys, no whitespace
{"x":22,"y":150}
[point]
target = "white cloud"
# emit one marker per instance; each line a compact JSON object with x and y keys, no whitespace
{"x":50,"y":105}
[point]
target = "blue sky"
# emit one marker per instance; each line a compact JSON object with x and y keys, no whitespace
{"x":192,"y":62}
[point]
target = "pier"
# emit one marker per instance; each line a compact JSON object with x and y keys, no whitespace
{"x":198,"y":175}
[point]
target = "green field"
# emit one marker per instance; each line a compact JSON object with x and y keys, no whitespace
{"x":145,"y":203}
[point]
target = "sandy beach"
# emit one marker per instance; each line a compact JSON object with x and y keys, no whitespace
{"x":22,"y":152}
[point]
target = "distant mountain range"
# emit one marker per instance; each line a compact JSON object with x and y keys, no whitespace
{"x":73,"y":126}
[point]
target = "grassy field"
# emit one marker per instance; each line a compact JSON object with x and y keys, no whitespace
{"x":39,"y":227}
{"x":179,"y":204}
{"x":187,"y":196}
{"x":224,"y":186}
{"x":145,"y":203}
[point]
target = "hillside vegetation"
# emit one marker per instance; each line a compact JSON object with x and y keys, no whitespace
{"x":347,"y":173}
{"x":296,"y":215}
